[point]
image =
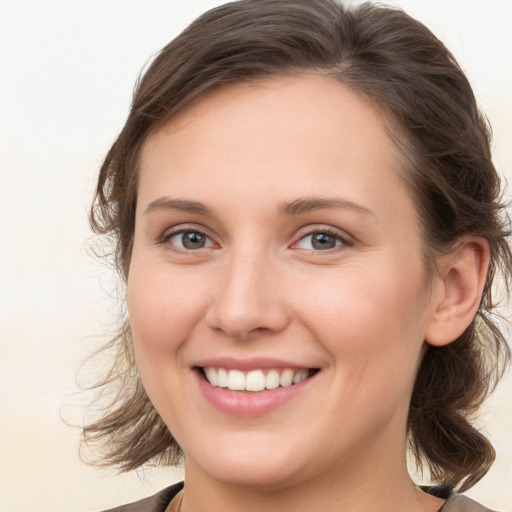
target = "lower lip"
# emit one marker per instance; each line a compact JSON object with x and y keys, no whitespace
{"x":248,"y":403}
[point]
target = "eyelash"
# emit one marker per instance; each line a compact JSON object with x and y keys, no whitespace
{"x":345,"y":241}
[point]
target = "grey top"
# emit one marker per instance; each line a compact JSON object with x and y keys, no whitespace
{"x":159,"y":501}
{"x":459,"y":503}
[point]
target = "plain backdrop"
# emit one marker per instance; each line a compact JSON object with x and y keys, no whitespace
{"x":67,"y":69}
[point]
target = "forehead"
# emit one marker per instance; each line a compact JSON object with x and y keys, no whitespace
{"x":293,"y":96}
{"x":287,"y":133}
{"x":312,"y":106}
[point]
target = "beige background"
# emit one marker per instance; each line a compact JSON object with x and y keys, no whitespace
{"x":67,"y":68}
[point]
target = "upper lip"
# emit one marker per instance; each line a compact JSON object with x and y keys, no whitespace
{"x":249,"y":364}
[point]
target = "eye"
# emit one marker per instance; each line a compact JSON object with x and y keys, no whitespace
{"x":321,"y":240}
{"x":188,"y":240}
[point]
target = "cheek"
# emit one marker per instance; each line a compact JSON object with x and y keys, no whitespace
{"x":367,"y":316}
{"x":372,"y":327}
{"x":163,"y":310}
{"x":163,"y":313}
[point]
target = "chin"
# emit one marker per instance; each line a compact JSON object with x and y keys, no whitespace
{"x":265,"y":475}
{"x":254,"y":465}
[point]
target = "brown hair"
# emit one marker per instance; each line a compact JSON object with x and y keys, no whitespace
{"x":410,"y":76}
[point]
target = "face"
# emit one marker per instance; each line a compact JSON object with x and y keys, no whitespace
{"x":277,"y":292}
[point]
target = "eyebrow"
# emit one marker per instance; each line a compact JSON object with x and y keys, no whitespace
{"x":183,"y":205}
{"x":297,"y":207}
{"x":308,"y":204}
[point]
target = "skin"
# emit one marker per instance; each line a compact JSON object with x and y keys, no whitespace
{"x":360,"y":312}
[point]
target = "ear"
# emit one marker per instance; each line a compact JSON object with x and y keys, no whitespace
{"x":457,"y":290}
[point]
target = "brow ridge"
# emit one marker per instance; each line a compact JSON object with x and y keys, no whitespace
{"x":184,"y":205}
{"x":307,"y":204}
{"x":297,"y":207}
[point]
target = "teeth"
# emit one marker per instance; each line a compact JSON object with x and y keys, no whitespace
{"x":255,"y":380}
{"x":211,"y":375}
{"x":272,"y":379}
{"x":300,"y":376}
{"x":236,"y":380}
{"x":286,"y":378}
{"x":222,"y":378}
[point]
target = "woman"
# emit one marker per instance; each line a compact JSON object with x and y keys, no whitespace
{"x":308,"y":222}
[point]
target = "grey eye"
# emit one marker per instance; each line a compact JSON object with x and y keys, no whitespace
{"x":320,"y":241}
{"x":190,"y":240}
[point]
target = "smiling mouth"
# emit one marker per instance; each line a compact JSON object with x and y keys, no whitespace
{"x":255,"y":380}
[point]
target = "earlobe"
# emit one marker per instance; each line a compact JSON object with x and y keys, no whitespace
{"x":459,"y":288}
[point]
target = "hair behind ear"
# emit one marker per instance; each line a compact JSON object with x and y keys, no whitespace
{"x":456,"y":374}
{"x":450,"y":387}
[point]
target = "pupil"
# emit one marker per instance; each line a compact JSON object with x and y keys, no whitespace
{"x":192,"y":240}
{"x":323,"y":241}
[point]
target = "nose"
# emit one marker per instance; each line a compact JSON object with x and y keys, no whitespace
{"x":247,"y":299}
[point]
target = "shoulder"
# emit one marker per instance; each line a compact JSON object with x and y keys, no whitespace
{"x":155,"y":503}
{"x":454,"y":502}
{"x":459,"y":503}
